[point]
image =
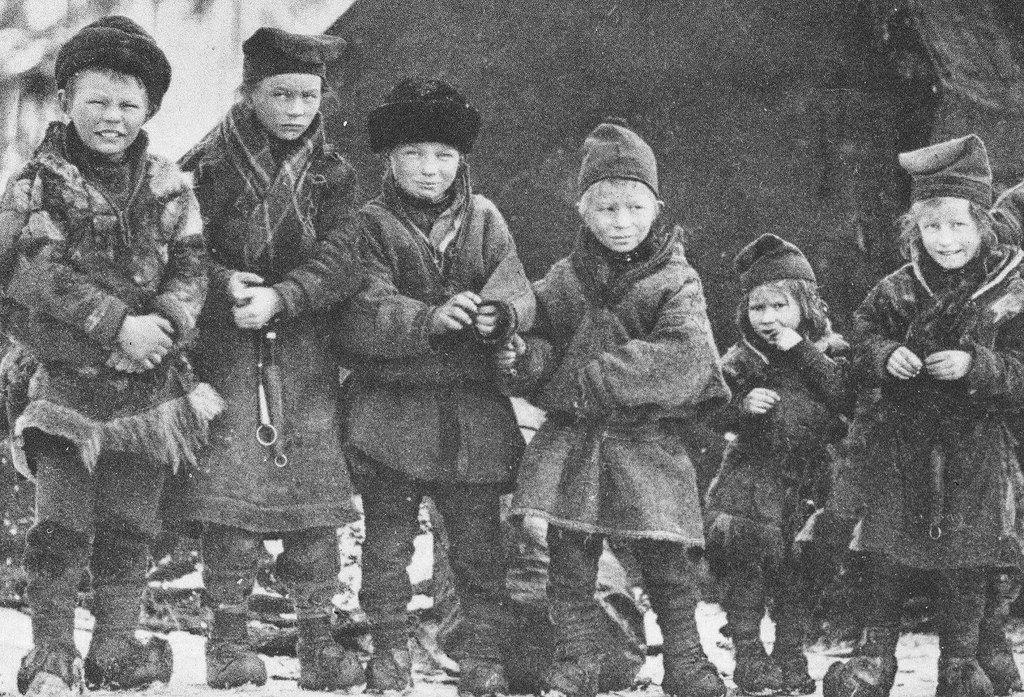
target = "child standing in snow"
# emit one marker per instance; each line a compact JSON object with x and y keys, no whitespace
{"x":108,"y":281}
{"x":942,"y":339}
{"x":622,"y":344}
{"x":789,"y":386}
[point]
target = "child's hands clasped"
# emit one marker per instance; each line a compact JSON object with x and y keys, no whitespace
{"x":143,"y":340}
{"x":505,"y":357}
{"x":458,"y":312}
{"x":760,"y":400}
{"x":903,"y":364}
{"x":948,"y":365}
{"x":254,"y":303}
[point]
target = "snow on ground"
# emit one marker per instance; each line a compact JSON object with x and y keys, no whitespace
{"x":917,"y":656}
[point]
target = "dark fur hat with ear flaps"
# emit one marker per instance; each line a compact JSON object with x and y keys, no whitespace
{"x":117,"y":43}
{"x":958,"y":168}
{"x":770,"y":258}
{"x":423,"y":111}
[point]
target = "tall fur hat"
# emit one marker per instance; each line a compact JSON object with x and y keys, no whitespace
{"x":770,"y":258}
{"x":120,"y":44}
{"x":421,"y":110}
{"x":957,"y":167}
{"x":270,"y":51}
{"x":614,"y":151}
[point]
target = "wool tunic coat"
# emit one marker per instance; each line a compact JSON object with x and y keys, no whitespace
{"x":616,"y":355}
{"x":288,"y":222}
{"x":429,"y":406}
{"x":935,"y":461}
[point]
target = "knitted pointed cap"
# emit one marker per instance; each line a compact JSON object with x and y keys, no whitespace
{"x":614,"y":151}
{"x":957,"y":168}
{"x":770,"y":258}
{"x":271,"y":51}
{"x":120,"y":44}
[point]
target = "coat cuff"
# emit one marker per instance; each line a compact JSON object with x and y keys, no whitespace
{"x":983,"y":375}
{"x":104,"y":324}
{"x":879,"y":371}
{"x":178,"y":316}
{"x":593,"y":398}
{"x":292,"y":297}
{"x":506,"y":326}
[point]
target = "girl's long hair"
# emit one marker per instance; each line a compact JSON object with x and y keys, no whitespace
{"x":910,"y":231}
{"x":814,"y":322}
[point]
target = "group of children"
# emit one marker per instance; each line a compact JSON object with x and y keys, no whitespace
{"x":187,"y":333}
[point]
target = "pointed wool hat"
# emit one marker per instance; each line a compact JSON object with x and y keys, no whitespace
{"x":770,"y":258}
{"x":957,"y":168}
{"x":614,"y":151}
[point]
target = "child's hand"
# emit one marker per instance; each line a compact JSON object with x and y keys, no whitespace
{"x":948,"y":365}
{"x":146,"y":338}
{"x":486,"y":320}
{"x":903,"y":364}
{"x":239,"y":282}
{"x":785,"y":338}
{"x":505,"y":357}
{"x":255,"y":306}
{"x":760,"y":400}
{"x":455,"y":314}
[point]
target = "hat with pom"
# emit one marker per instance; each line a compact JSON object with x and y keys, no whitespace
{"x":271,"y":51}
{"x":421,"y":110}
{"x":612,"y":150}
{"x":957,"y":168}
{"x":117,"y":43}
{"x":770,"y":258}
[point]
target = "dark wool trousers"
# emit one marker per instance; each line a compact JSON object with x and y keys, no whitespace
{"x":471,"y":515}
{"x":309,"y":566}
{"x":104,"y":521}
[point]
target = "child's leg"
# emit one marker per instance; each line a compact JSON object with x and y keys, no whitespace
{"x":310,"y":566}
{"x":791,"y":589}
{"x":962,"y":609}
{"x":230,"y":557}
{"x":127,"y":501}
{"x":744,"y":604}
{"x":671,"y":583}
{"x":995,"y":654}
{"x":872,"y":672}
{"x":391,"y":504}
{"x":578,"y":619}
{"x":56,"y":552}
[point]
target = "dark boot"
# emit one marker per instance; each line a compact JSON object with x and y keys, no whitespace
{"x":389,"y":670}
{"x":788,"y":653}
{"x":688,"y":672}
{"x":323,"y":664}
{"x":230,"y":660}
{"x":995,"y":654}
{"x":116,"y":659}
{"x":51,"y":670}
{"x":756,"y":673}
{"x":579,"y":648}
{"x":486,"y":625}
{"x":479,"y":677}
{"x":871,"y":673}
{"x":962,"y":677}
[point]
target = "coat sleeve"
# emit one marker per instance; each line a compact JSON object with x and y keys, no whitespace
{"x":533,"y":369}
{"x":675,"y":367}
{"x":997,"y":374}
{"x":874,"y":336}
{"x":379,"y":321}
{"x":827,"y":376}
{"x":507,"y":285}
{"x":331,"y":274}
{"x":207,"y":184}
{"x":740,"y":380}
{"x":44,"y":281}
{"x":15,"y":207}
{"x":183,"y":288}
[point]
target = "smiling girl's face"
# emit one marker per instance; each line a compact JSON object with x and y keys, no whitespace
{"x":949,"y":233}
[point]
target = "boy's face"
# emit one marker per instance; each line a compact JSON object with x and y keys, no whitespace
{"x":619,"y":212}
{"x":949,"y":233}
{"x":286,"y":104}
{"x":108,"y":110}
{"x":425,"y":170}
{"x":771,"y":309}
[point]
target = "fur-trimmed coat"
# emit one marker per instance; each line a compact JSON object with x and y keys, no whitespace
{"x":935,"y":460}
{"x":615,"y":356}
{"x":82,"y":261}
{"x":287,"y":221}
{"x":429,"y":406}
{"x":777,"y":460}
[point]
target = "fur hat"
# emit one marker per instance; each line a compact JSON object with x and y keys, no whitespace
{"x":120,"y":44}
{"x":612,"y":150}
{"x":418,"y":110}
{"x":271,"y":51}
{"x":957,"y":167}
{"x":770,"y":258}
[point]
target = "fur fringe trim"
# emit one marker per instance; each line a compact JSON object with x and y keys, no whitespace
{"x":745,"y":537}
{"x":171,"y":433}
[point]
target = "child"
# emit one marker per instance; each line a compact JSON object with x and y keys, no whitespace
{"x":789,"y":387}
{"x":277,"y":200}
{"x":426,"y":415}
{"x":109,"y":278}
{"x":621,"y":346}
{"x":942,"y":339}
